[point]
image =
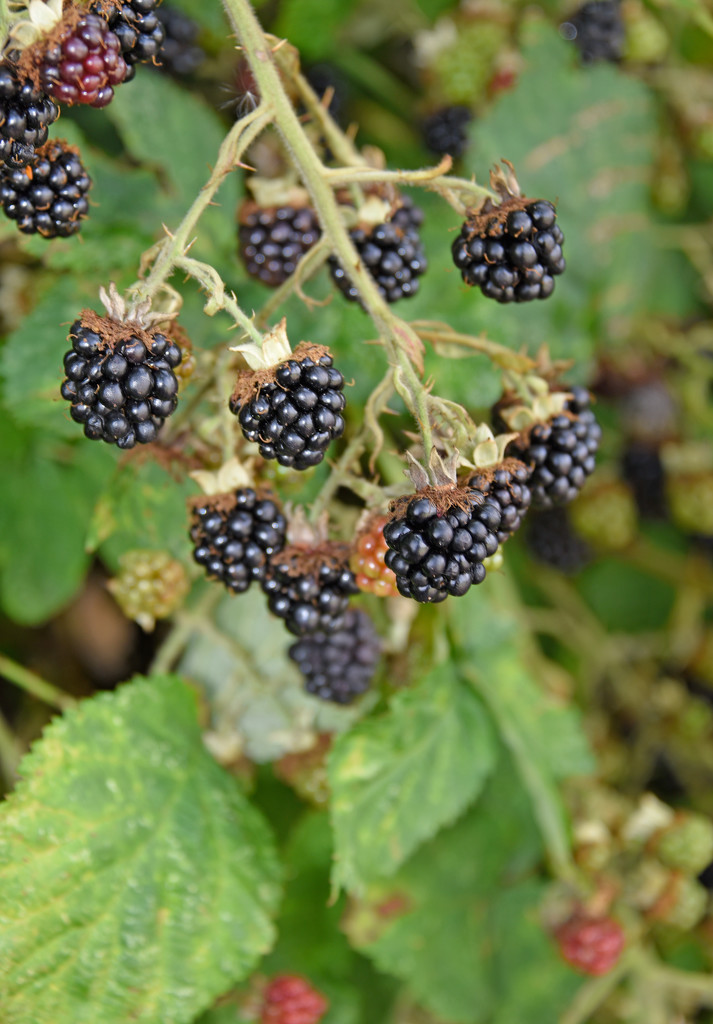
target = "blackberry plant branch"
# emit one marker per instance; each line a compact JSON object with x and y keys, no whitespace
{"x":35,"y":685}
{"x":306,"y":268}
{"x":218,"y":299}
{"x":435,"y":179}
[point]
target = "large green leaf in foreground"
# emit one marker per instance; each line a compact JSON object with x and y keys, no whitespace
{"x":136,"y":882}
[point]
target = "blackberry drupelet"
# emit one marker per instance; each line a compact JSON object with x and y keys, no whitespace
{"x":512,"y":252}
{"x":392,"y":253}
{"x":310,"y":587}
{"x":50,"y":197}
{"x":120,"y":380}
{"x":506,"y":486}
{"x":339,"y":666}
{"x":561,"y":452}
{"x":290,"y":999}
{"x":273,"y":239}
{"x":296,"y":412}
{"x":551,"y":540}
{"x":84,"y":64}
{"x":436,"y":552}
{"x":139,"y":29}
{"x":445,"y":131}
{"x":233,"y":535}
{"x":25,"y":115}
{"x":180,"y":55}
{"x":597,"y":30}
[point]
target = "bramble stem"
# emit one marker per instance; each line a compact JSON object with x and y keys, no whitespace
{"x":435,"y":179}
{"x":210,"y":280}
{"x":30,"y":682}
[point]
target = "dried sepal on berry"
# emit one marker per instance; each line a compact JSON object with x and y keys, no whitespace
{"x":150,"y":585}
{"x":309,"y":586}
{"x":504,"y":480}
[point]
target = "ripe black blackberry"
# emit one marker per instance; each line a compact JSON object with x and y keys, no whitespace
{"x":180,"y":54}
{"x":550,"y":539}
{"x":439,"y":541}
{"x":561,"y":452}
{"x":339,"y":666}
{"x":139,"y":29}
{"x":512,"y":252}
{"x":120,"y":380}
{"x":597,"y":29}
{"x":273,"y":239}
{"x":392,"y":253}
{"x":25,"y":115}
{"x":84,"y":64}
{"x":233,"y":535}
{"x":50,"y":197}
{"x":310,"y":587}
{"x":643,"y":470}
{"x":445,"y":131}
{"x":294,"y":410}
{"x":506,"y":485}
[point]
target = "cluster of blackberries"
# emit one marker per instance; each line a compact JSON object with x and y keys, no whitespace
{"x":297,"y":413}
{"x":435,"y":553}
{"x":339,"y":666}
{"x":392,"y":252}
{"x":180,"y":53}
{"x":550,"y":539}
{"x":310,"y":594}
{"x":50,"y":197}
{"x":513,"y":254}
{"x":121,"y":386}
{"x":598,"y":31}
{"x":234,"y":534}
{"x":445,"y":131}
{"x":273,"y":239}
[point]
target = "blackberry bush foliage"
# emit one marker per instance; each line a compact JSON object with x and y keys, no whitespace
{"x":50,"y":198}
{"x":25,"y":116}
{"x":339,"y":666}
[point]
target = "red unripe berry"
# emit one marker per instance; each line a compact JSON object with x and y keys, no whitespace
{"x":367,"y":561}
{"x":290,"y":999}
{"x":592,"y":945}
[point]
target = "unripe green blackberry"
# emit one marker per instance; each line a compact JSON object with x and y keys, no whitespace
{"x":150,"y":585}
{"x":687,"y":844}
{"x":683,"y":905}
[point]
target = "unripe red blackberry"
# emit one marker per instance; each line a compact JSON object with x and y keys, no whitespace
{"x":234,"y":534}
{"x":84,"y":63}
{"x":290,"y":999}
{"x":339,"y":666}
{"x":273,"y":239}
{"x":592,"y":945}
{"x":561,"y":451}
{"x":25,"y":115}
{"x":506,"y":486}
{"x":293,"y":410}
{"x":513,"y":252}
{"x":150,"y":585}
{"x":309,"y":587}
{"x":598,"y":31}
{"x":139,"y":29}
{"x":368,"y":561}
{"x":120,"y":380}
{"x":439,"y":539}
{"x":392,"y":253}
{"x":180,"y":54}
{"x":48,"y":198}
{"x":551,"y":540}
{"x":445,"y":131}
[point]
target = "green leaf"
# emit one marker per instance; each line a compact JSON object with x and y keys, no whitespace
{"x":137,"y":881}
{"x":312,"y":25}
{"x":396,"y":780}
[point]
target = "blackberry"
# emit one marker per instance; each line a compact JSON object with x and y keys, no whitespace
{"x":551,"y":540}
{"x":295,"y":413}
{"x":597,"y":30}
{"x":445,"y":131}
{"x":50,"y":197}
{"x":233,"y":535}
{"x":392,"y":253}
{"x":643,"y":470}
{"x":591,"y":944}
{"x":326,"y":76}
{"x":512,"y":252}
{"x":310,"y":587}
{"x":150,"y":585}
{"x":180,"y":55}
{"x":140,"y":32}
{"x":561,"y":452}
{"x":84,"y":64}
{"x":438,"y":546}
{"x":506,"y":486}
{"x":290,"y":999}
{"x":339,"y":666}
{"x":368,"y":559}
{"x":273,"y":239}
{"x":120,"y":380}
{"x":25,"y":115}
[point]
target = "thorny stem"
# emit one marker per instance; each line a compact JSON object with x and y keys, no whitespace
{"x":211,"y":281}
{"x":433,"y":178}
{"x":342,"y":148}
{"x":34,"y":684}
{"x":442,"y":335}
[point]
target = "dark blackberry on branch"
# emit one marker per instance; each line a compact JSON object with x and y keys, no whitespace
{"x":84,"y":64}
{"x":506,"y":485}
{"x":293,"y":411}
{"x":25,"y":115}
{"x":50,"y":197}
{"x":339,"y":666}
{"x":643,"y":470}
{"x":445,"y":131}
{"x":597,"y":30}
{"x":551,"y":540}
{"x":561,"y":452}
{"x":234,"y":534}
{"x":273,"y":239}
{"x":438,"y":541}
{"x":512,"y":252}
{"x":120,"y":379}
{"x":180,"y":54}
{"x":392,"y":253}
{"x":310,"y":587}
{"x":139,"y":29}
